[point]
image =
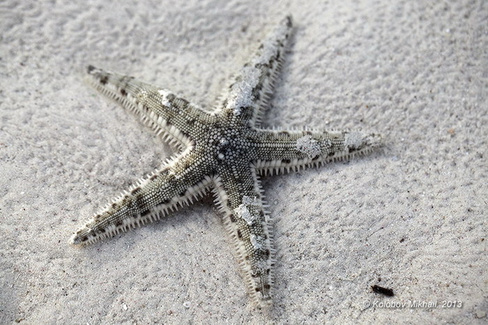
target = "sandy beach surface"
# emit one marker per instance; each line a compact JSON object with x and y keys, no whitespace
{"x":411,"y":217}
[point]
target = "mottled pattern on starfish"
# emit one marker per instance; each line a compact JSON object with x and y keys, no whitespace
{"x":222,"y":151}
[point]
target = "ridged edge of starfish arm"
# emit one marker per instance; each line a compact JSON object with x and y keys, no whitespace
{"x":150,"y":199}
{"x":312,"y":148}
{"x":244,"y":211}
{"x":167,"y":121}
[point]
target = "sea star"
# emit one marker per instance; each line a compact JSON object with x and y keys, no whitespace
{"x":224,"y":151}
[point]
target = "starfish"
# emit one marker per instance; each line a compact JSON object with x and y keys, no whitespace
{"x":223,"y":151}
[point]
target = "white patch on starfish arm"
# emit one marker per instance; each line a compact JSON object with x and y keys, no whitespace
{"x":353,"y":140}
{"x":252,"y":86}
{"x":241,"y":94}
{"x":243,"y":209}
{"x":356,"y":140}
{"x":308,"y":146}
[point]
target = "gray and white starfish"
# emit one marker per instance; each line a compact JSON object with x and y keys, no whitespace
{"x":223,"y":151}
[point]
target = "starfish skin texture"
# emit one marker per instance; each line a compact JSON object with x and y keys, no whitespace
{"x":223,"y":151}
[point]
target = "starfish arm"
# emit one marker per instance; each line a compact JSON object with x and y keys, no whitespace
{"x":239,"y":197}
{"x":159,"y":108}
{"x":248,"y":95}
{"x":174,"y":185}
{"x":281,"y":151}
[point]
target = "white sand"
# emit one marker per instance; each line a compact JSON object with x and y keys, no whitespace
{"x":413,"y":214}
